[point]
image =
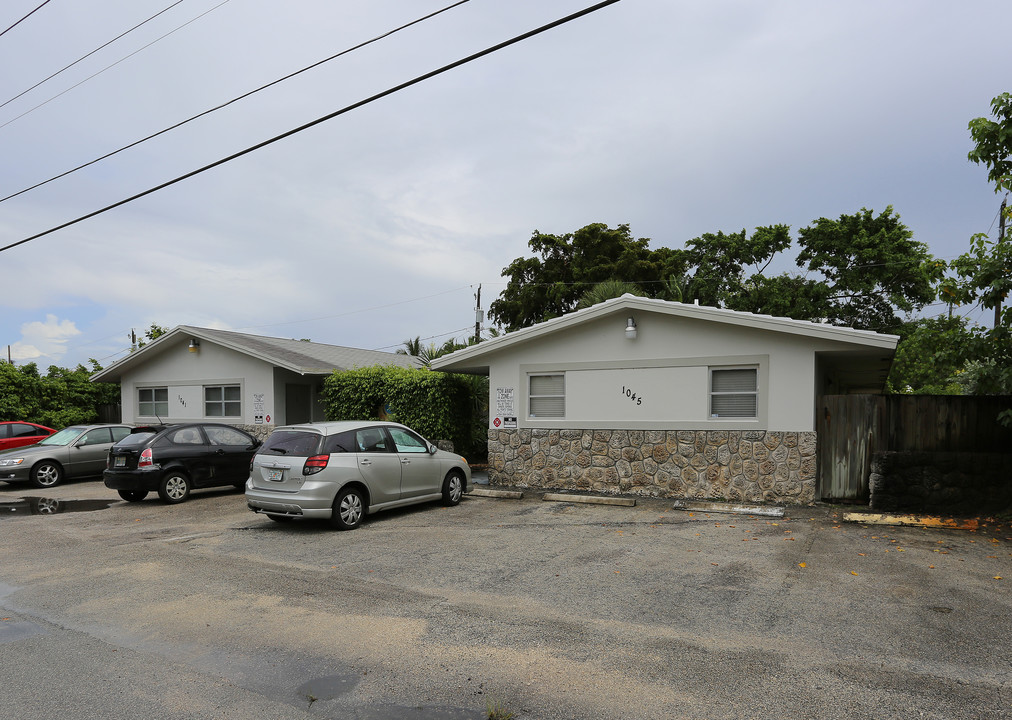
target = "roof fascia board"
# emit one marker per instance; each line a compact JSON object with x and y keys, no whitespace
{"x":132,"y":359}
{"x":120,"y":366}
{"x":850,"y":336}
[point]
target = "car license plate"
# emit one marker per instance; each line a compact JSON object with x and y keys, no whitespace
{"x":120,"y":462}
{"x":274,"y":475}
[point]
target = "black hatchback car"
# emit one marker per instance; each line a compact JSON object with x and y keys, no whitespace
{"x":172,"y":460}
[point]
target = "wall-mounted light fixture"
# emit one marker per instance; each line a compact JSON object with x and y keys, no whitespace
{"x":630,"y":329}
{"x":194,"y":345}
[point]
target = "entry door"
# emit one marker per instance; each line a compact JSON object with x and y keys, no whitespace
{"x":297,"y":407}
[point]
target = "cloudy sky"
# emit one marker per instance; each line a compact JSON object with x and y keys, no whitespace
{"x":677,"y":118}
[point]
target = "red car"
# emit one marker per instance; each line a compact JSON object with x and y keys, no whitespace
{"x":17,"y":434}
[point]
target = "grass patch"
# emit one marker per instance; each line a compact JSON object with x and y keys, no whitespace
{"x":497,"y":711}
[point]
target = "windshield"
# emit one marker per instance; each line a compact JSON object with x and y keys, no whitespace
{"x":64,"y":437}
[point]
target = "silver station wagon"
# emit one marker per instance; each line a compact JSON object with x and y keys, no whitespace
{"x":341,"y":471}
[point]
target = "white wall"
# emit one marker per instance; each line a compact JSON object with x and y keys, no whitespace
{"x":185,"y":374}
{"x":667,"y":365}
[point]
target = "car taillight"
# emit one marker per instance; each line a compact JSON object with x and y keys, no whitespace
{"x":315,"y":464}
{"x":146,"y":459}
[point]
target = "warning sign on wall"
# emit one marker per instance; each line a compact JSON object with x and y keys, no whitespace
{"x":504,"y":406}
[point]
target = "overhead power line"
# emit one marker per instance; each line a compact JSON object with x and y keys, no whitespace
{"x":109,"y":67}
{"x":234,"y":100}
{"x":24,"y":18}
{"x":83,"y":57}
{"x":331,"y":116}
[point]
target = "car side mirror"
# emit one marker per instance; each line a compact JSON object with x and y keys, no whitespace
{"x":432,"y":449}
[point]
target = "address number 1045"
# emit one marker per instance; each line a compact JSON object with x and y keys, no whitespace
{"x":633,"y":397}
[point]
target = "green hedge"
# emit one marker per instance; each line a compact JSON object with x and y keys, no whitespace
{"x":60,"y":398}
{"x":439,"y":406}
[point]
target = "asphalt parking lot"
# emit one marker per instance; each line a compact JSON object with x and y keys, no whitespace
{"x":547,"y":609}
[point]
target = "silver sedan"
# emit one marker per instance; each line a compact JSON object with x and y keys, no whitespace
{"x":74,"y":452}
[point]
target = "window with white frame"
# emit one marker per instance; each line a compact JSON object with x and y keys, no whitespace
{"x":547,"y":396}
{"x":734,"y":393}
{"x":153,"y":402}
{"x":222,"y":401}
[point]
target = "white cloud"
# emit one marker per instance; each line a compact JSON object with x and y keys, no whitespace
{"x":44,"y":341}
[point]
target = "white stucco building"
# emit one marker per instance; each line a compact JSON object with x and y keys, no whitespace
{"x":665,"y":398}
{"x":197,"y":374}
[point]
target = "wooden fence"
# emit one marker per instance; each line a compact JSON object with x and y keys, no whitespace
{"x":853,"y":427}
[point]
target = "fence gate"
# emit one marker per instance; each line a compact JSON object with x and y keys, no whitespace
{"x":849,"y":431}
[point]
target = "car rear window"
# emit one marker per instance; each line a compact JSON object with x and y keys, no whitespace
{"x":291,"y":442}
{"x":134,"y":439}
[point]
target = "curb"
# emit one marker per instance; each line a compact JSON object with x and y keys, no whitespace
{"x":488,"y":493}
{"x":589,"y":499}
{"x":730,"y":508}
{"x":926,"y":521}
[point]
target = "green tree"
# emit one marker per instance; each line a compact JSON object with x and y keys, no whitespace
{"x":153,"y":332}
{"x":984,"y":273}
{"x":862,"y":270}
{"x":872,"y":266}
{"x":993,"y":142}
{"x":62,"y":397}
{"x":931,"y":354}
{"x":566,"y":266}
{"x":724,"y":263}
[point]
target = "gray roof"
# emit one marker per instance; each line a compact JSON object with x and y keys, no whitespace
{"x":305,"y":358}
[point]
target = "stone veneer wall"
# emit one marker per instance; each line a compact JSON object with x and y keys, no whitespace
{"x":260,"y":431}
{"x":745,"y":465}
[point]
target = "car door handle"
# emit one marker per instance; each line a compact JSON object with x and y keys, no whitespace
{"x":365,"y":462}
{"x":219,"y":451}
{"x":405,"y":461}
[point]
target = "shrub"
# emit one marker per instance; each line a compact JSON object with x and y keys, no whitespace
{"x":440,"y":406}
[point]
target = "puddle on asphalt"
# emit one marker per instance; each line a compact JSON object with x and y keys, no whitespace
{"x":49,"y":506}
{"x":11,"y":629}
{"x":327,"y":688}
{"x":401,"y":712}
{"x":319,"y":691}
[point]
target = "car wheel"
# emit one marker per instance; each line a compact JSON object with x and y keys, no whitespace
{"x":281,"y":518}
{"x":349,"y":509}
{"x":174,"y":488}
{"x":46,"y":474}
{"x":133,"y":495}
{"x":453,"y":488}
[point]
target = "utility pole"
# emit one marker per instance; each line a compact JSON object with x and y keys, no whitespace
{"x":478,"y":317}
{"x":1001,"y":238}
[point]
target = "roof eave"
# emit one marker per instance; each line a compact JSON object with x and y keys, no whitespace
{"x":630,"y":302}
